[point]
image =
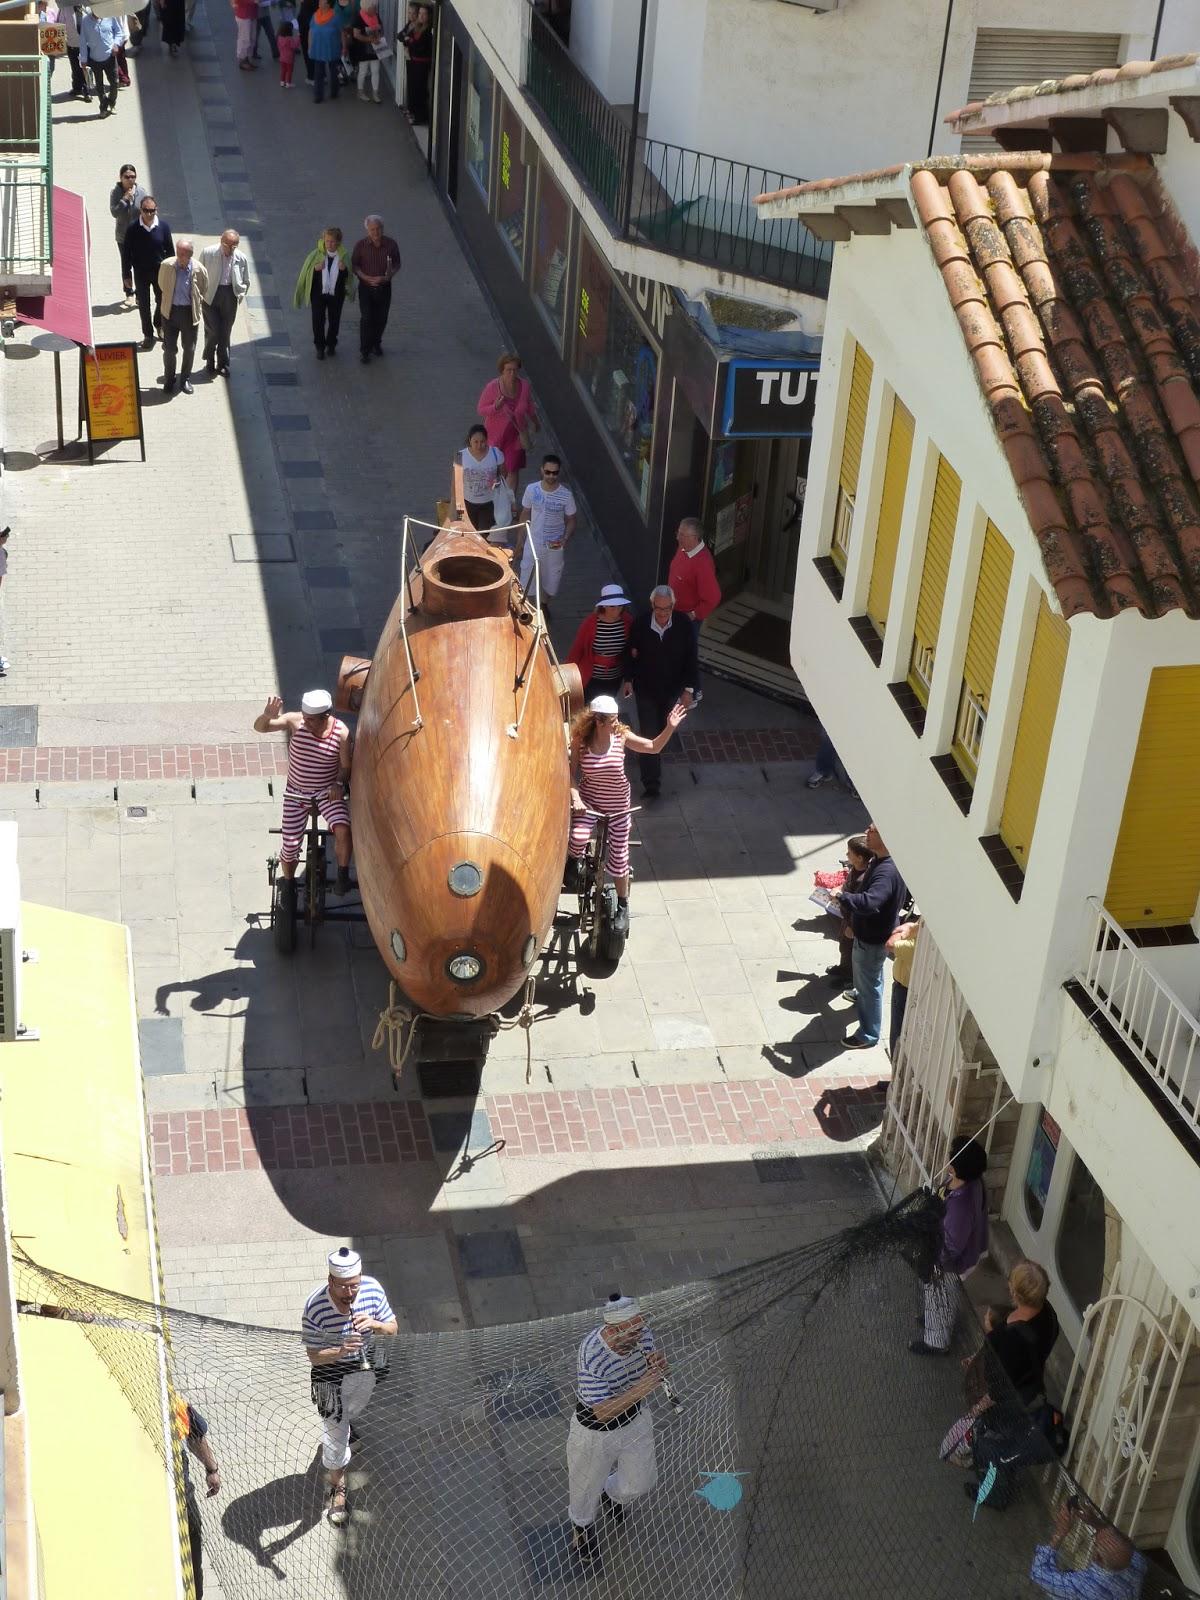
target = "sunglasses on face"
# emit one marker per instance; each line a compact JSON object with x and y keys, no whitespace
{"x":148,"y":211}
{"x":548,"y":472}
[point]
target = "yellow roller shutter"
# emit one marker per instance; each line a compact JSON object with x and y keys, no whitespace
{"x":891,"y":509}
{"x":938,"y":544}
{"x":1155,"y":878}
{"x":983,"y":641}
{"x":1039,"y":707}
{"x":856,"y":419}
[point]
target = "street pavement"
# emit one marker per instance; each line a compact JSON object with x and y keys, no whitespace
{"x":687,"y":1112}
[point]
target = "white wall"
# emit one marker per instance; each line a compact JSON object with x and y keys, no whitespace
{"x":604,"y":36}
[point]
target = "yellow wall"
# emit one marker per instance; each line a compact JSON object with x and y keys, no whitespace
{"x":79,"y":1201}
{"x":1039,"y":708}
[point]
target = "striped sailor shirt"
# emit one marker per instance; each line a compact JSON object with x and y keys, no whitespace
{"x":603,"y":1374}
{"x":1087,"y":1583}
{"x":323,"y":1325}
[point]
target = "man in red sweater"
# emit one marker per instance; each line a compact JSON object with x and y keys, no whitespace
{"x":693,"y":576}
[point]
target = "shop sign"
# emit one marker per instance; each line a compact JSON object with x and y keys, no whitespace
{"x":653,"y":300}
{"x":110,"y":399}
{"x":769,"y":399}
{"x":52,"y":39}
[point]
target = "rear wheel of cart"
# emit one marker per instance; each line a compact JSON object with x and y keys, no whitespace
{"x":610,"y":941}
{"x":283,"y":915}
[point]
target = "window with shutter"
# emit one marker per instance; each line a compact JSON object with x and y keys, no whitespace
{"x":1155,"y":877}
{"x":891,"y":509}
{"x":852,"y":443}
{"x":939,"y":542}
{"x":1039,"y":707}
{"x":1006,"y":57}
{"x":983,"y":641}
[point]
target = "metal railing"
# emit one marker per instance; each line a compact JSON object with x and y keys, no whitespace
{"x":592,"y":132}
{"x":665,"y":196}
{"x":26,"y":166}
{"x":1149,"y":1016}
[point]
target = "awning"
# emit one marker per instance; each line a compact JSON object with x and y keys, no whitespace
{"x":67,"y":309}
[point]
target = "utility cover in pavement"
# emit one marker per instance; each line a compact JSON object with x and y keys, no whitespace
{"x":161,"y":1041}
{"x":18,"y":726}
{"x":491,"y":1255}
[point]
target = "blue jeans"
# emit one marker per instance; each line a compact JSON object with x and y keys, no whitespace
{"x":867,"y":963}
{"x":827,"y":764}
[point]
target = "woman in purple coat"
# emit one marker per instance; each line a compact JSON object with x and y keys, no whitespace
{"x":964,"y":1240}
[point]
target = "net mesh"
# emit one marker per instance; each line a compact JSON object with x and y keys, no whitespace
{"x":803,"y":1459}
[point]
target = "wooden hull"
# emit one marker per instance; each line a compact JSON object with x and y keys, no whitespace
{"x":460,"y":791}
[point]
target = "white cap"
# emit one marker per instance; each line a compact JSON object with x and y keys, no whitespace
{"x":612,"y":594}
{"x":344,"y":1263}
{"x":621,"y":1308}
{"x":605,"y":705}
{"x":316,"y":702}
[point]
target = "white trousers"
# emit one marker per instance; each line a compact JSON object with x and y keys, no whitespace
{"x":941,"y":1307}
{"x":550,"y":565}
{"x":619,"y":1463}
{"x":357,"y":1389}
{"x":371,"y":69}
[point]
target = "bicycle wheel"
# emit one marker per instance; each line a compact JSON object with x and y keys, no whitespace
{"x":283,"y":915}
{"x":611,"y":942}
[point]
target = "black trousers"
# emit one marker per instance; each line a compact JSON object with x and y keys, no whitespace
{"x":218,"y":325}
{"x":79,"y":83}
{"x":178,"y":329}
{"x":105,"y":74}
{"x":326,"y":318}
{"x":145,"y":287}
{"x":374,"y":303}
{"x":652,"y":708}
{"x":481,"y":514}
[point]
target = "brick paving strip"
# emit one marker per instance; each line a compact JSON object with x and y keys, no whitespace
{"x":570,"y":1122}
{"x":267,"y":758}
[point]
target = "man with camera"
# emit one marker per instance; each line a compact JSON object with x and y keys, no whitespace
{"x":1116,"y":1570}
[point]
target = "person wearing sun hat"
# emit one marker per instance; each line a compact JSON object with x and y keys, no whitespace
{"x":599,"y":647}
{"x":610,"y":1447}
{"x":319,"y":756}
{"x":341,"y":1318}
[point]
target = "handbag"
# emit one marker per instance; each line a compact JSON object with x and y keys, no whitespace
{"x":382,"y":49}
{"x":327,"y":1397}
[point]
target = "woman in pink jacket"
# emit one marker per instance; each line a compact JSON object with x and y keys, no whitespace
{"x":509,"y":415}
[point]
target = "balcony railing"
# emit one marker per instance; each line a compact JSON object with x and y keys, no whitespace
{"x":664,"y":196}
{"x":1150,"y":1018}
{"x":26,"y":167}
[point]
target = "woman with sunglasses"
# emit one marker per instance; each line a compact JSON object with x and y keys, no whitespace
{"x":598,"y":784}
{"x":125,"y":203}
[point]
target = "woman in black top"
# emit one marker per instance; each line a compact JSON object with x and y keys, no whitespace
{"x":417,"y":38}
{"x":1022,"y":1344}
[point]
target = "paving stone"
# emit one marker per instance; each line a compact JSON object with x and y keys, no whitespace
{"x":161,"y":1043}
{"x":262,"y":547}
{"x":18,"y":726}
{"x":496,"y":1254}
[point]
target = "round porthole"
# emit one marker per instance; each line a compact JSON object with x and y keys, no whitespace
{"x":465,"y":879}
{"x":465,"y":967}
{"x":528,"y":950}
{"x":399,"y":948}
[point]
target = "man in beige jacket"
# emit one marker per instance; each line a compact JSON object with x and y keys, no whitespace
{"x":183,"y":283}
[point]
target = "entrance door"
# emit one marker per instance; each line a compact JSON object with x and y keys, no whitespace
{"x":773,"y":566}
{"x":454,"y":117}
{"x":687,"y":454}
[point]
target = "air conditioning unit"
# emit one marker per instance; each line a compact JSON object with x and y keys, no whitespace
{"x":12,"y":953}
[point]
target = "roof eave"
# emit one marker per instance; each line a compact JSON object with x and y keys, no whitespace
{"x":838,"y":208}
{"x":1035,"y":109}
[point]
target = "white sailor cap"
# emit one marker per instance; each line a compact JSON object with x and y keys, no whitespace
{"x":621,"y":1308}
{"x":316,"y":702}
{"x":604,"y":706}
{"x":344,"y":1263}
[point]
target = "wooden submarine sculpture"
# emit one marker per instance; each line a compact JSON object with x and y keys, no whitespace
{"x":460,"y":797}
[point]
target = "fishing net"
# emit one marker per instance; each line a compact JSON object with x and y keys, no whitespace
{"x":802,"y":1460}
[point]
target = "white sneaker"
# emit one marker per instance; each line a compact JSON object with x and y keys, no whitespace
{"x":816,"y":780}
{"x":377,"y":97}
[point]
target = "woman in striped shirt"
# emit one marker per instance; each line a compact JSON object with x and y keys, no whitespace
{"x":598,"y":784}
{"x":599,"y":647}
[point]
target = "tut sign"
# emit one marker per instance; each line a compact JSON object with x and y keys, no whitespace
{"x":112,"y":405}
{"x":769,"y":399}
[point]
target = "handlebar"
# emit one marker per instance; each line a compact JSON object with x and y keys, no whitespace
{"x":611,"y":816}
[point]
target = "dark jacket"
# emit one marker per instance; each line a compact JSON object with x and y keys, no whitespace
{"x":143,"y":250}
{"x":875,"y":908}
{"x":661,"y":668}
{"x":1022,"y":1349}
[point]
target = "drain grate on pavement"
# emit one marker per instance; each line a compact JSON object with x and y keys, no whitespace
{"x":774,"y":1168}
{"x":18,"y":727}
{"x":496,"y":1254}
{"x":161,"y":1041}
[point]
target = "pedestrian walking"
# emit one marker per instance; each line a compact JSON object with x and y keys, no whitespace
{"x":599,"y":740}
{"x":148,"y":243}
{"x":417,"y":38}
{"x":509,"y":415}
{"x":693,"y":576}
{"x":99,"y":40}
{"x":174,"y":15}
{"x":308,"y":10}
{"x":263,"y":24}
{"x":69,"y":18}
{"x":874,"y":911}
{"x":228,"y":278}
{"x":183,"y":283}
{"x":659,"y":669}
{"x":246,"y":17}
{"x":366,"y":40}
{"x":124,"y":203}
{"x":483,"y":476}
{"x":324,"y":283}
{"x":288,"y":44}
{"x":319,"y":756}
{"x":549,"y":513}
{"x":599,"y":646}
{"x":610,"y":1446}
{"x":341,"y":1320}
{"x":191,"y":1429}
{"x":4,"y":661}
{"x":376,"y":261}
{"x":827,"y":767}
{"x":324,"y":50}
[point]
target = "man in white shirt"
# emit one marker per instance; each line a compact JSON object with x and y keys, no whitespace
{"x":228,"y":279}
{"x":548,"y":510}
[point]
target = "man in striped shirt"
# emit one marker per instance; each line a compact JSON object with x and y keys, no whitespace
{"x":610,"y":1448}
{"x":340,"y":1321}
{"x":1116,"y":1571}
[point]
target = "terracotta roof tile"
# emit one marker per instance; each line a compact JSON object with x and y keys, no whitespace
{"x":965,"y":115}
{"x":1077,"y":290}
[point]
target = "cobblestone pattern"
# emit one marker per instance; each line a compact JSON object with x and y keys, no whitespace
{"x":264,"y":758}
{"x":573,"y":1122}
